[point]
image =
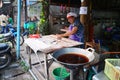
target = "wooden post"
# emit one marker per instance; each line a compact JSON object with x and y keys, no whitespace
{"x":84,"y":18}
{"x":25,"y":8}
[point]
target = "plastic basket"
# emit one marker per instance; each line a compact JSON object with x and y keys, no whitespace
{"x":60,"y":73}
{"x":111,"y":69}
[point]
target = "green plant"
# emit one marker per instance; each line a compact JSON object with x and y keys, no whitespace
{"x":24,"y":66}
{"x":43,"y":23}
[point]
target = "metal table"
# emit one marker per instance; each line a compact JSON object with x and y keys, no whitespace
{"x":46,"y":45}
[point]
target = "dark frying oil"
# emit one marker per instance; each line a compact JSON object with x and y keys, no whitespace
{"x":73,"y":58}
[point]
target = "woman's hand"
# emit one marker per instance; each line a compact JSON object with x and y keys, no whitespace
{"x":64,"y":30}
{"x":59,"y":36}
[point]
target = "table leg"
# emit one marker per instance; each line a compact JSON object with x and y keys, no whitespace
{"x":71,"y":74}
{"x":29,"y":54}
{"x":46,"y":67}
{"x":81,"y":74}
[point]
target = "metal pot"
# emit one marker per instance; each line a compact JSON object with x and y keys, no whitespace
{"x":86,"y":52}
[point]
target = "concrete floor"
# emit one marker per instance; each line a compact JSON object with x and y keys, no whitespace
{"x":15,"y":71}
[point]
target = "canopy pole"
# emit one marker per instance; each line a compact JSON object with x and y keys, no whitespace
{"x":18,"y":29}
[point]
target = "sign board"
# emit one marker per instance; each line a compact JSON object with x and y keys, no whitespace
{"x":82,"y":0}
{"x":34,"y":10}
{"x":83,"y":10}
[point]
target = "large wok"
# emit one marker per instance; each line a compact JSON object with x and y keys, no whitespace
{"x":86,"y":52}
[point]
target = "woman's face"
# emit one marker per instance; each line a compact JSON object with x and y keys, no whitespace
{"x":71,"y":19}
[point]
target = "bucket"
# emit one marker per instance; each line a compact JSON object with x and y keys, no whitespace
{"x":60,"y":73}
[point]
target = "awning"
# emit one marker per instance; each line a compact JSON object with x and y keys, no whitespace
{"x":6,"y":1}
{"x":30,"y":2}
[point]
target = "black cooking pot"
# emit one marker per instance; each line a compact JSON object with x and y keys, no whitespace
{"x":85,"y":52}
